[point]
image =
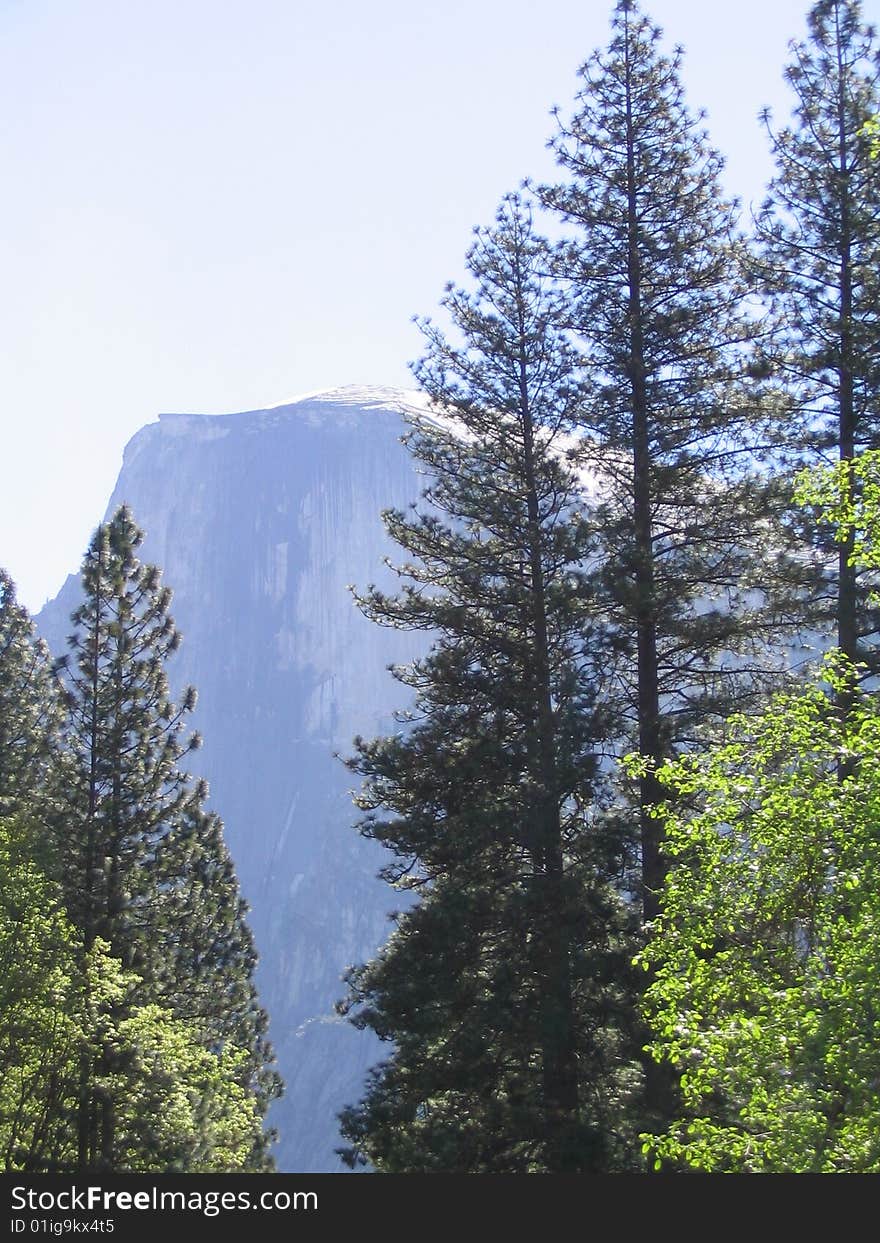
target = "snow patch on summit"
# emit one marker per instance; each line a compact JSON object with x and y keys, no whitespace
{"x":364,"y":396}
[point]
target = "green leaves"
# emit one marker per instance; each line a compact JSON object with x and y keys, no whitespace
{"x":40,"y":1027}
{"x":846,"y":498}
{"x":764,"y":963}
{"x":178,"y":1104}
{"x":765,"y":990}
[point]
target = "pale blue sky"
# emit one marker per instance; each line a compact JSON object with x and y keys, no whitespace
{"x":214,"y":205}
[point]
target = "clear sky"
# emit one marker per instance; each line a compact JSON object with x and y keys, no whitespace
{"x":213,"y":205}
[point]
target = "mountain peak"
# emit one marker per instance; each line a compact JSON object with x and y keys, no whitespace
{"x":351,"y":396}
{"x":360,"y":395}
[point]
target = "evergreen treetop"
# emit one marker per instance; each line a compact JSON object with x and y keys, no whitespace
{"x":653,"y":267}
{"x":818,"y":263}
{"x":30,"y":708}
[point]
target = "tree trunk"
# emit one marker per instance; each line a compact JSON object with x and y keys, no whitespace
{"x":646,"y":623}
{"x":847,"y":629}
{"x":559,"y":1055}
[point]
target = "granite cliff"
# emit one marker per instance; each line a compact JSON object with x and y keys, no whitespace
{"x":260,"y":520}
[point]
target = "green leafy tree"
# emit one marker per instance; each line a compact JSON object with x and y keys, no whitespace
{"x":178,"y":1104}
{"x":502,"y":988}
{"x":40,"y":1032}
{"x":766,"y":987}
{"x":846,"y":499}
{"x":819,"y":235}
{"x":145,"y":868}
{"x":653,"y":265}
{"x":765,"y":984}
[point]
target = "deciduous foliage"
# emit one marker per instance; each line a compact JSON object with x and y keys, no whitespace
{"x":766,"y":985}
{"x":766,"y":982}
{"x":178,"y":1104}
{"x":40,"y":1032}
{"x":846,"y":499}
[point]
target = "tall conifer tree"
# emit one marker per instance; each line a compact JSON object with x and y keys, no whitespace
{"x":30,"y":709}
{"x":652,"y":262}
{"x":501,"y":987}
{"x":819,"y":232}
{"x":145,"y":867}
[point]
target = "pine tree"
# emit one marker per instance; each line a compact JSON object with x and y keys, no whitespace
{"x":30,"y":709}
{"x":501,"y":987}
{"x":820,"y":256}
{"x":145,"y":869}
{"x":653,"y":261}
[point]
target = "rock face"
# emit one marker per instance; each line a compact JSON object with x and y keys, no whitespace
{"x":260,"y":521}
